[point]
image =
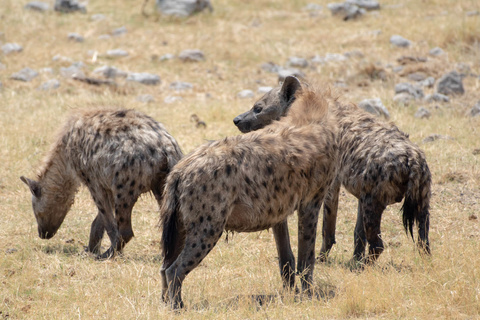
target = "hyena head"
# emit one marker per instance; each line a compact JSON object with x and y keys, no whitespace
{"x":49,"y":208}
{"x":272,"y":106}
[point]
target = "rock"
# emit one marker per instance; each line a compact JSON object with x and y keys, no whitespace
{"x":117,"y":53}
{"x":329,"y":57}
{"x":71,"y":72}
{"x":37,"y":6}
{"x":472,"y":13}
{"x":172,"y":99}
{"x":11,"y":250}
{"x":434,"y":137}
{"x":270,"y":67}
{"x":437,"y":97}
{"x":97,"y":17}
{"x":145,"y":98}
{"x":104,"y":37}
{"x":354,"y":54}
{"x":436,"y":52}
{"x":398,"y":69}
{"x":26,"y":74}
{"x":413,"y":90}
{"x":475,"y":111}
{"x":346,"y":10}
{"x":313,"y":7}
{"x":59,"y":58}
{"x":283,"y":73}
{"x":67,"y":6}
{"x":75,"y":37}
{"x":428,"y":82}
{"x":119,"y":31}
{"x":8,"y":48}
{"x":245,"y":94}
{"x":49,"y":85}
{"x":417,"y":76}
{"x":144,"y":78}
{"x":180,"y":86}
{"x":264,"y":90}
{"x":110,"y":72}
{"x":183,"y":8}
{"x":400,"y":41}
{"x":46,"y":70}
{"x":297,"y":62}
{"x":166,"y":57}
{"x":403,"y":98}
{"x":451,"y":83}
{"x":365,"y":4}
{"x":193,"y":55}
{"x":422,"y":113}
{"x":374,"y":106}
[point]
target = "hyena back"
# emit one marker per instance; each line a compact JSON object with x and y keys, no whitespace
{"x":377,"y":164}
{"x":249,"y":183}
{"x":118,"y":155}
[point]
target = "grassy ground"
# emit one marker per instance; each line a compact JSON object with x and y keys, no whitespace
{"x":55,"y":279}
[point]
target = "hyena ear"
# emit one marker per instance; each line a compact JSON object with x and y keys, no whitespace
{"x":289,"y":87}
{"x":34,"y":186}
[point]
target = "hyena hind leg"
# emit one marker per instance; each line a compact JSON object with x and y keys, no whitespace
{"x":96,"y":235}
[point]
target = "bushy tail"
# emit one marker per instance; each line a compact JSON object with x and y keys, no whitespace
{"x":417,"y":204}
{"x":170,"y":220}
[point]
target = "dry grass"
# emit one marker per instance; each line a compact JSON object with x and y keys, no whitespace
{"x":55,"y":280}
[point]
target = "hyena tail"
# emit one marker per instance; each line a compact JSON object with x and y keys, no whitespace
{"x":417,"y":204}
{"x":170,"y":220}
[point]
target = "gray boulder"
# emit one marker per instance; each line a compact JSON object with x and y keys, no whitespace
{"x":400,"y":41}
{"x":297,"y":62}
{"x":145,"y":98}
{"x":68,"y":6}
{"x":172,"y":99}
{"x":110,"y":72}
{"x":475,"y":111}
{"x":422,"y":113}
{"x":192,"y":55}
{"x":428,"y":82}
{"x":75,"y":37}
{"x":26,"y":74}
{"x":413,"y":90}
{"x":73,"y":71}
{"x":37,"y":6}
{"x":374,"y":106}
{"x":365,"y":4}
{"x":264,"y":90}
{"x":8,"y":48}
{"x":347,"y":11}
{"x":144,"y":78}
{"x":244,"y":94}
{"x":403,"y":98}
{"x":98,"y":17}
{"x":436,"y":52}
{"x":119,"y":31}
{"x":49,"y":85}
{"x":180,"y":86}
{"x":183,"y":8}
{"x":450,"y":84}
{"x":270,"y":67}
{"x":117,"y":53}
{"x":437,"y":97}
{"x":283,"y":73}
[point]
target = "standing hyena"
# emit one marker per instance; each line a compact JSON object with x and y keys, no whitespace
{"x":250,"y":183}
{"x":377,"y":164}
{"x":118,"y":155}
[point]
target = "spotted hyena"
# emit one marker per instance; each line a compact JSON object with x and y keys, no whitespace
{"x":250,"y":183}
{"x":118,"y":155}
{"x":377,"y":164}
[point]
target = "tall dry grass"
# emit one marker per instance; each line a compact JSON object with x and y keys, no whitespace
{"x":55,"y":279}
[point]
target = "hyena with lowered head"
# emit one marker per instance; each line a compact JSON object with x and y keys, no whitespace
{"x":378,"y":164}
{"x":118,"y":154}
{"x":250,"y":183}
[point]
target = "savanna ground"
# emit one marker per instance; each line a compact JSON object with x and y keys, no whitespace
{"x":55,"y":279}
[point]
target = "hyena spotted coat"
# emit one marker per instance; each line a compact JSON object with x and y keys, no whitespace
{"x":377,"y":164}
{"x":249,"y":183}
{"x":118,"y":155}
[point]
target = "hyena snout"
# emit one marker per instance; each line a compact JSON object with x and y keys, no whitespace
{"x":46,"y":233}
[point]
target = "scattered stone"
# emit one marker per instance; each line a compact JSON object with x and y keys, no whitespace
{"x":193,"y":55}
{"x":450,"y":83}
{"x":464,"y":69}
{"x":403,"y":60}
{"x":183,"y":8}
{"x":403,"y":98}
{"x":283,"y":73}
{"x":313,"y":7}
{"x":145,"y":98}
{"x":26,"y":74}
{"x":245,"y":94}
{"x":375,"y":106}
{"x":144,"y":78}
{"x":434,"y":137}
{"x":119,"y":31}
{"x":354,"y":54}
{"x":37,"y":6}
{"x":166,"y":57}
{"x":104,"y":37}
{"x":346,"y":10}
{"x":97,"y":17}
{"x":270,"y":67}
{"x":365,"y":4}
{"x":413,"y":90}
{"x":59,"y":58}
{"x":8,"y":48}
{"x":71,"y":72}
{"x":75,"y":37}
{"x":417,"y":76}
{"x":172,"y":99}
{"x":422,"y":113}
{"x":68,"y":6}
{"x":398,"y":69}
{"x":329,"y":57}
{"x":437,"y":97}
{"x":400,"y":41}
{"x":475,"y":111}
{"x":11,"y":250}
{"x":297,"y":62}
{"x":180,"y":86}
{"x":94,"y":81}
{"x":436,"y":52}
{"x":116,"y":53}
{"x":428,"y":82}
{"x":49,"y":85}
{"x":264,"y":90}
{"x":110,"y":72}
{"x":472,"y":13}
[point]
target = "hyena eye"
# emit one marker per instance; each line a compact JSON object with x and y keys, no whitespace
{"x":257,"y":109}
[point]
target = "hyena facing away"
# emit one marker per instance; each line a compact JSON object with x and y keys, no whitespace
{"x":377,"y":164}
{"x":118,"y":155}
{"x":249,"y":183}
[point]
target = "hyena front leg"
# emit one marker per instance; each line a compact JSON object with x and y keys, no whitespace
{"x":330,"y":209}
{"x":286,"y":259}
{"x":359,"y":236}
{"x":307,"y":233}
{"x":123,"y":216}
{"x":96,"y":234}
